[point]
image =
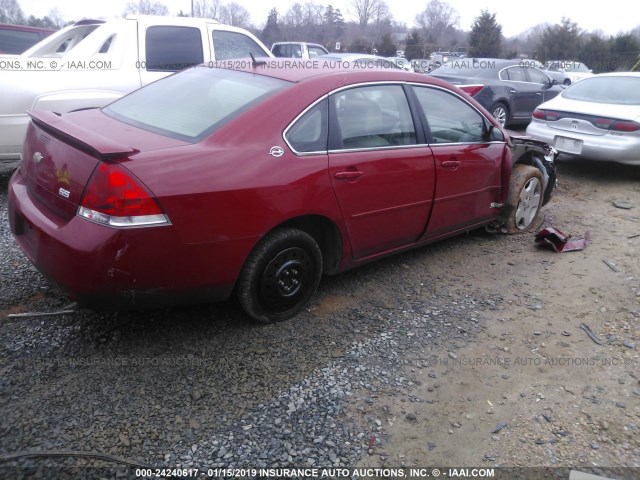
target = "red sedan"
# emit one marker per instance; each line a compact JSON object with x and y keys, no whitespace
{"x":258,"y":179}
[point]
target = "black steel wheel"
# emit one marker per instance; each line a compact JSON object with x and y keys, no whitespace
{"x":280,"y":275}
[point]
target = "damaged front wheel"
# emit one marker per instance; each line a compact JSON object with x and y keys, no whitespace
{"x":525,"y":199}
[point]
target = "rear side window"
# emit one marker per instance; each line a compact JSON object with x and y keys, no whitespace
{"x":192,"y":104}
{"x":309,"y":133}
{"x":235,"y":45}
{"x":15,"y":42}
{"x":171,"y":48}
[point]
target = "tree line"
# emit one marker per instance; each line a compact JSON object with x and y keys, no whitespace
{"x":369,"y":27}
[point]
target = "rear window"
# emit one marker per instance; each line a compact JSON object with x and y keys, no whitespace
{"x":192,"y":104}
{"x":617,"y":90}
{"x":171,"y":48}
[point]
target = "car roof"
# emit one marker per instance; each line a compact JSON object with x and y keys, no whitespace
{"x":618,"y":74}
{"x":297,"y":43}
{"x":301,"y":70}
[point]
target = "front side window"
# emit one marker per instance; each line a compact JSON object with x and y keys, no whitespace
{"x":536,"y":76}
{"x":450,"y":119}
{"x":193,"y":104}
{"x":373,"y":117}
{"x":172,"y":48}
{"x":235,"y":45}
{"x":309,"y":133}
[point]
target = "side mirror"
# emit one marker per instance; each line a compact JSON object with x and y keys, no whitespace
{"x":487,"y":131}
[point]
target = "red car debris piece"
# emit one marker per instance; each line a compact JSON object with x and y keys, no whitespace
{"x":559,"y":241}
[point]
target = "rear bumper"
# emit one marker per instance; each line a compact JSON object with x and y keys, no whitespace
{"x":610,"y":148}
{"x":117,"y":269}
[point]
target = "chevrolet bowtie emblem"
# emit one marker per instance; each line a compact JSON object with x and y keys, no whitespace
{"x":37,"y":157}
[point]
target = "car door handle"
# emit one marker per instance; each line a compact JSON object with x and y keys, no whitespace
{"x":512,"y":91}
{"x":451,"y":164}
{"x":348,"y":175}
{"x":539,"y":94}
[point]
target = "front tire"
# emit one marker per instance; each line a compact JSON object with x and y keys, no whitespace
{"x":525,"y":199}
{"x":280,"y":275}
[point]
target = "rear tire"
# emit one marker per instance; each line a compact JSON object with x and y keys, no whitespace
{"x":525,"y":199}
{"x":280,"y":275}
{"x":500,"y":112}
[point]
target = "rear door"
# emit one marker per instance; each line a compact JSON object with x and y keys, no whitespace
{"x":467,"y":162}
{"x":383,"y":178}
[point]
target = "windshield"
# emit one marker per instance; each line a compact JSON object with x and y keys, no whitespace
{"x":616,"y":90}
{"x":192,"y":104}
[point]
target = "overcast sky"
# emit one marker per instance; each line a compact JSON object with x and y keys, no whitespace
{"x":514,"y":16}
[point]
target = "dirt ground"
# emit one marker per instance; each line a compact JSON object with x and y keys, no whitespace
{"x":533,"y":389}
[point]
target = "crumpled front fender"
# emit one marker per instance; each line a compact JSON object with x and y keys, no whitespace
{"x":525,"y":149}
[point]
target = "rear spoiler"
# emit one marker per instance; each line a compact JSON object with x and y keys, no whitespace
{"x":93,"y":143}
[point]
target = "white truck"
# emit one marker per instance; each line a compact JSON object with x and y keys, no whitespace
{"x":94,"y":62}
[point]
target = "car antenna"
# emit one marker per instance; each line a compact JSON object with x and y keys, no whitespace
{"x":255,"y":62}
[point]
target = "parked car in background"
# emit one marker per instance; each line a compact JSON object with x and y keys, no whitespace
{"x":257,"y":180}
{"x":509,"y":89}
{"x":402,"y":63}
{"x":363,"y":60}
{"x":597,"y":118}
{"x":440,"y":58}
{"x":298,"y":49}
{"x":15,"y":39}
{"x":93,"y":62}
{"x":422,"y":65}
{"x":567,"y":72}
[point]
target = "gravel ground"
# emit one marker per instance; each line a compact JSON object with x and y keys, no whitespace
{"x":350,"y":382}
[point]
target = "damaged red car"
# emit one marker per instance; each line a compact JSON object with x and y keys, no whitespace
{"x":255,"y":180}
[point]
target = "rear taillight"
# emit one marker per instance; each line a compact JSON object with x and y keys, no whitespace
{"x":116,"y":198}
{"x":603,"y":123}
{"x":625,"y":126}
{"x":548,"y":115}
{"x":471,"y":89}
{"x":539,"y":114}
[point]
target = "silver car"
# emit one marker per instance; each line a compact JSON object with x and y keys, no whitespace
{"x":596,"y":118}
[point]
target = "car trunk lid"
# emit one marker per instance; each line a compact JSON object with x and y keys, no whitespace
{"x":588,"y":118}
